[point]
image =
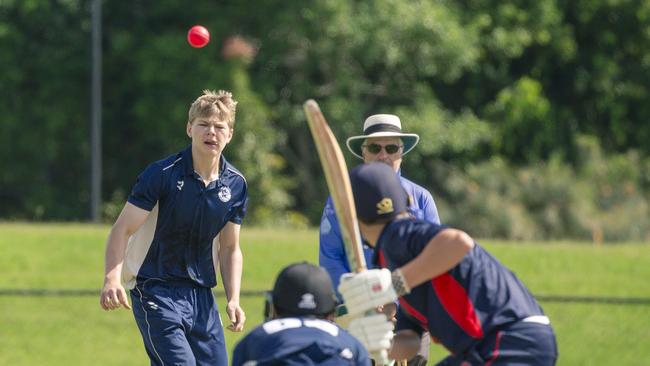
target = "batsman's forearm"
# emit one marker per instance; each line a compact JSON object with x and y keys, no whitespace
{"x":440,"y":255}
{"x":231,"y":261}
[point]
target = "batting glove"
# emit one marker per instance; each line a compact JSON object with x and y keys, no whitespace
{"x":375,"y":332}
{"x":366,"y":290}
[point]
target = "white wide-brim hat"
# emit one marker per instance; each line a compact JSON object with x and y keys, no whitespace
{"x":382,"y":125}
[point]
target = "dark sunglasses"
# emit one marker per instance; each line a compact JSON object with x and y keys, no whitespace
{"x":376,"y":148}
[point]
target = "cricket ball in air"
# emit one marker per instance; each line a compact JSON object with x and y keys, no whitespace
{"x":198,"y":36}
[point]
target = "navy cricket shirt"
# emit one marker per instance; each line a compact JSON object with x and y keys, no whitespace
{"x":300,"y":341}
{"x":177,"y":241}
{"x":463,"y":305}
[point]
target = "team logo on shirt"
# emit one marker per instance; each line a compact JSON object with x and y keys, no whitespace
{"x":307,"y":302}
{"x":180,"y":184}
{"x":385,"y":206}
{"x":347,"y":354}
{"x":224,"y":194}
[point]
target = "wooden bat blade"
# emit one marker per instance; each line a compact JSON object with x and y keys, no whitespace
{"x":338,"y":183}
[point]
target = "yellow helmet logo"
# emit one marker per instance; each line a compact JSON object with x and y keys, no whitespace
{"x":385,"y":206}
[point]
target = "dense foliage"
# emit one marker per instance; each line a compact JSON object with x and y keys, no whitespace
{"x":532,"y":113}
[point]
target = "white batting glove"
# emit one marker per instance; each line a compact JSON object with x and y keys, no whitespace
{"x":366,"y":290}
{"x":375,"y":332}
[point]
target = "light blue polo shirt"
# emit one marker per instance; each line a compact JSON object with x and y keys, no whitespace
{"x":178,"y":241}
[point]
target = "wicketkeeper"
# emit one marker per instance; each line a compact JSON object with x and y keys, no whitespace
{"x":446,"y":284}
{"x":299,"y":329}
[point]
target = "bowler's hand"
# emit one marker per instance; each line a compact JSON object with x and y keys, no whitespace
{"x":236,"y":315}
{"x":113,"y":296}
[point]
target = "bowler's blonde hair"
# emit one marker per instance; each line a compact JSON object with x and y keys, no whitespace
{"x":213,"y":103}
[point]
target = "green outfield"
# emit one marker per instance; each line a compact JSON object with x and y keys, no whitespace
{"x":73,"y":330}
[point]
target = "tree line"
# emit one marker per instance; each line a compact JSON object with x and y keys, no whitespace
{"x":532,"y":114}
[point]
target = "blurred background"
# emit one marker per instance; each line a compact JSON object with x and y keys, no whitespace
{"x":533,"y":115}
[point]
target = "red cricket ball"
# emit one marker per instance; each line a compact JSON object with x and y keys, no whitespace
{"x":198,"y":36}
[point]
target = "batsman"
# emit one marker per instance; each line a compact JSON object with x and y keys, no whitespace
{"x":446,"y":284}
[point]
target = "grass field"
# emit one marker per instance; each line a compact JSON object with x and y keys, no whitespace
{"x":73,"y":330}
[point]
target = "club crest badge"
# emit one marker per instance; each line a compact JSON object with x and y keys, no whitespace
{"x":224,"y":194}
{"x":307,"y":302}
{"x":385,"y":206}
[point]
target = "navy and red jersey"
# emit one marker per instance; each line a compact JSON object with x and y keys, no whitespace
{"x":176,"y":241}
{"x":460,"y":307}
{"x":299,"y":341}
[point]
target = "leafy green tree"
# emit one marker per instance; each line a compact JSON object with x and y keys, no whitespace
{"x":524,"y":124}
{"x":497,"y":90}
{"x":606,"y":84}
{"x":357,"y":58}
{"x":43,"y":110}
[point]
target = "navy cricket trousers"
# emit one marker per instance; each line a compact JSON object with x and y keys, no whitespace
{"x":179,"y":323}
{"x":517,"y":344}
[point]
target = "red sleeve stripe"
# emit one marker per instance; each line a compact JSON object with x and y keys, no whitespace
{"x":382,"y":259}
{"x":424,"y":322}
{"x":454,"y":300}
{"x":495,"y":352}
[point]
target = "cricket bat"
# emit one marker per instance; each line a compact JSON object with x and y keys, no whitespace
{"x":338,"y":183}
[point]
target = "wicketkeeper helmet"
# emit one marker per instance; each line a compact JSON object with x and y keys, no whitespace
{"x":303,"y":289}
